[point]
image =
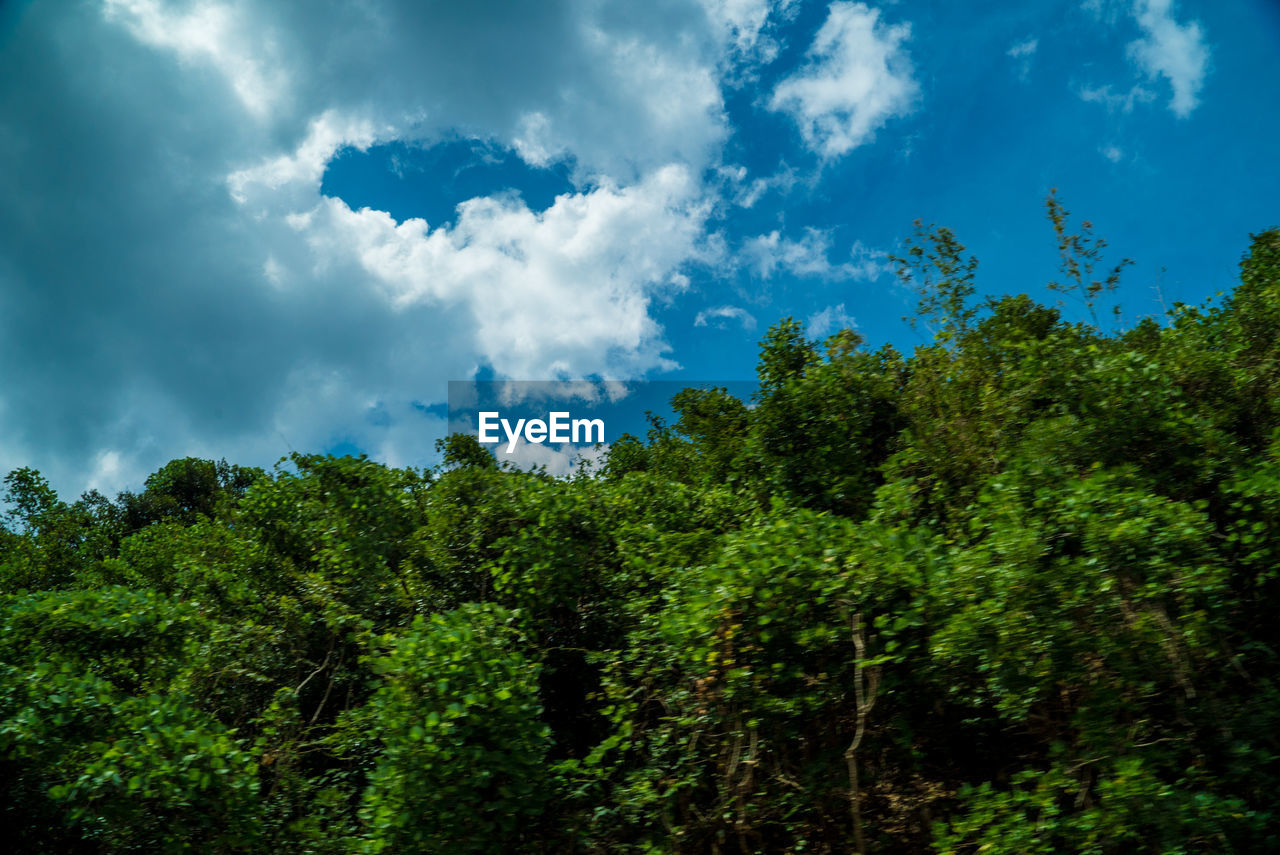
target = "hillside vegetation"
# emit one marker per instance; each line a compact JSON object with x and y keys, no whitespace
{"x":1016,"y":592}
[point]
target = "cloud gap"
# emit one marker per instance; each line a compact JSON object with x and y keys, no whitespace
{"x":429,"y":182}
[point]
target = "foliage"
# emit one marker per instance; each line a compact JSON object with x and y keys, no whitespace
{"x":460,"y":765}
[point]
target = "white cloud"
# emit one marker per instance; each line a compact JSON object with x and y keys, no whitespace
{"x":858,"y":77}
{"x":829,"y":320}
{"x":1112,"y":153}
{"x":304,"y":167}
{"x":767,"y":255}
{"x":672,"y":97}
{"x":533,"y":140}
{"x":1177,"y":52}
{"x":562,"y":292}
{"x":107,"y":477}
{"x":866,"y":263}
{"x":741,"y":24}
{"x":721,"y":315}
{"x":1024,"y":48}
{"x":745,"y":194}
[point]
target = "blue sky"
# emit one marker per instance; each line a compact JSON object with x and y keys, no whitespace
{"x":232,"y":228}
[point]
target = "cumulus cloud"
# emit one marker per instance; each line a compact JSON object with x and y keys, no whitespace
{"x":858,"y":77}
{"x":564,"y":292}
{"x":1176,"y":52}
{"x":619,"y":91}
{"x":173,"y":281}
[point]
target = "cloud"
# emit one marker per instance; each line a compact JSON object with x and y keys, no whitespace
{"x":217,"y":35}
{"x":1177,"y":52}
{"x":745,"y":194}
{"x":1022,"y":52}
{"x":173,"y":281}
{"x":1106,"y":11}
{"x":1118,"y":102}
{"x":720,"y":315}
{"x":620,"y":92}
{"x":534,"y":142}
{"x":564,"y":292}
{"x":767,"y":255}
{"x":866,"y":263}
{"x":1112,"y":153}
{"x":858,"y":77}
{"x":303,"y":168}
{"x":1024,"y":48}
{"x":741,"y":24}
{"x":829,"y":320}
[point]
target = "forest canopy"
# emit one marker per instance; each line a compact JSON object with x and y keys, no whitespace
{"x":1014,"y":592}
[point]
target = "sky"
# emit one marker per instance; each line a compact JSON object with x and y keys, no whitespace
{"x":240,"y":228}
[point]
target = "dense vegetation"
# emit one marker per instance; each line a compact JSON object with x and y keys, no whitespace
{"x":1014,"y":593}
